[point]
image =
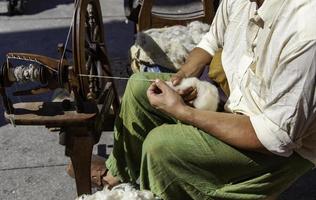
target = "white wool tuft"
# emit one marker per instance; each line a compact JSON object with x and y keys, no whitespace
{"x":121,"y":192}
{"x":207,"y":94}
{"x":168,"y":46}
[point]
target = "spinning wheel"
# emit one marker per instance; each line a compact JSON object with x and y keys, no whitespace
{"x":89,"y":49}
{"x":85,"y":73}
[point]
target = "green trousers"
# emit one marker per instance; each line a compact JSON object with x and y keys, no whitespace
{"x":177,"y":161}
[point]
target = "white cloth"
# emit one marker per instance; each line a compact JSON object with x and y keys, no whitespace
{"x":269,"y":57}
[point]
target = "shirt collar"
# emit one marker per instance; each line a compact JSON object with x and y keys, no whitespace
{"x":269,"y":10}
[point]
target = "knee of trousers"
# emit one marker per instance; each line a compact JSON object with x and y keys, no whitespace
{"x":136,"y":88}
{"x":162,"y":144}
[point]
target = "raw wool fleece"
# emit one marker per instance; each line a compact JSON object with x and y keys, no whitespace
{"x":167,"y":47}
{"x":207,"y":94}
{"x":121,"y":192}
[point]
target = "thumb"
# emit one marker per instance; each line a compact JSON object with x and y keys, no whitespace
{"x":176,"y":79}
{"x":162,"y":85}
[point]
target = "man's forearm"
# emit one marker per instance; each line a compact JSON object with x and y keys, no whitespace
{"x":195,"y":62}
{"x":233,"y":129}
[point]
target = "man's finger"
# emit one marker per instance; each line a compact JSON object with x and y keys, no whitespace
{"x":186,"y":91}
{"x":162,"y":85}
{"x":191,"y":96}
{"x":189,"y":103}
{"x":153,"y":89}
{"x":153,"y":94}
{"x":176,"y":80}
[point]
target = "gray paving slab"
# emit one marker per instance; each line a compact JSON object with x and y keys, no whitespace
{"x":34,"y":147}
{"x":26,"y":146}
{"x":32,"y":164}
{"x":43,"y":183}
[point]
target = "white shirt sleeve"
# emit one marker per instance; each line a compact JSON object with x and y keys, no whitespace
{"x":290,"y":101}
{"x":214,"y":39}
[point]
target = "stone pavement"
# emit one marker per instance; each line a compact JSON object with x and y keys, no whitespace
{"x":32,"y":163}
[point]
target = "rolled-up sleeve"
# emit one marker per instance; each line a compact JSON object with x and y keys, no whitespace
{"x":290,"y":101}
{"x":271,"y":136}
{"x":214,"y":39}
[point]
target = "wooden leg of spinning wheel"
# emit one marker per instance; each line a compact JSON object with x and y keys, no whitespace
{"x":79,"y":149}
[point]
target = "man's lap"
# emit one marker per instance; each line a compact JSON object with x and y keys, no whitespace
{"x":205,"y":161}
{"x":199,"y":159}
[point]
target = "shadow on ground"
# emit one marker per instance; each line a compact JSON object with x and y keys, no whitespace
{"x":37,"y":6}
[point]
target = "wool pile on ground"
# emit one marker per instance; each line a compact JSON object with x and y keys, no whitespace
{"x":120,"y":192}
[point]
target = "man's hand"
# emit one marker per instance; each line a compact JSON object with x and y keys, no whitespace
{"x":189,"y":94}
{"x":177,"y":78}
{"x":163,"y":98}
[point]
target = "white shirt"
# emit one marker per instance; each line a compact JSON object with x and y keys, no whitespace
{"x":269,"y":57}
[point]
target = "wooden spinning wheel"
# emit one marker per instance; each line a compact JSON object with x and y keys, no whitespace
{"x":95,"y":102}
{"x":89,"y":48}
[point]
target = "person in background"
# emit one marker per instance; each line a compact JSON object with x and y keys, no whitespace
{"x":16,"y":7}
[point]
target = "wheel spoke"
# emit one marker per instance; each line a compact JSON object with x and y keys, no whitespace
{"x":91,"y":21}
{"x":88,"y":63}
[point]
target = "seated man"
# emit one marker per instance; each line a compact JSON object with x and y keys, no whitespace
{"x":266,"y":138}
